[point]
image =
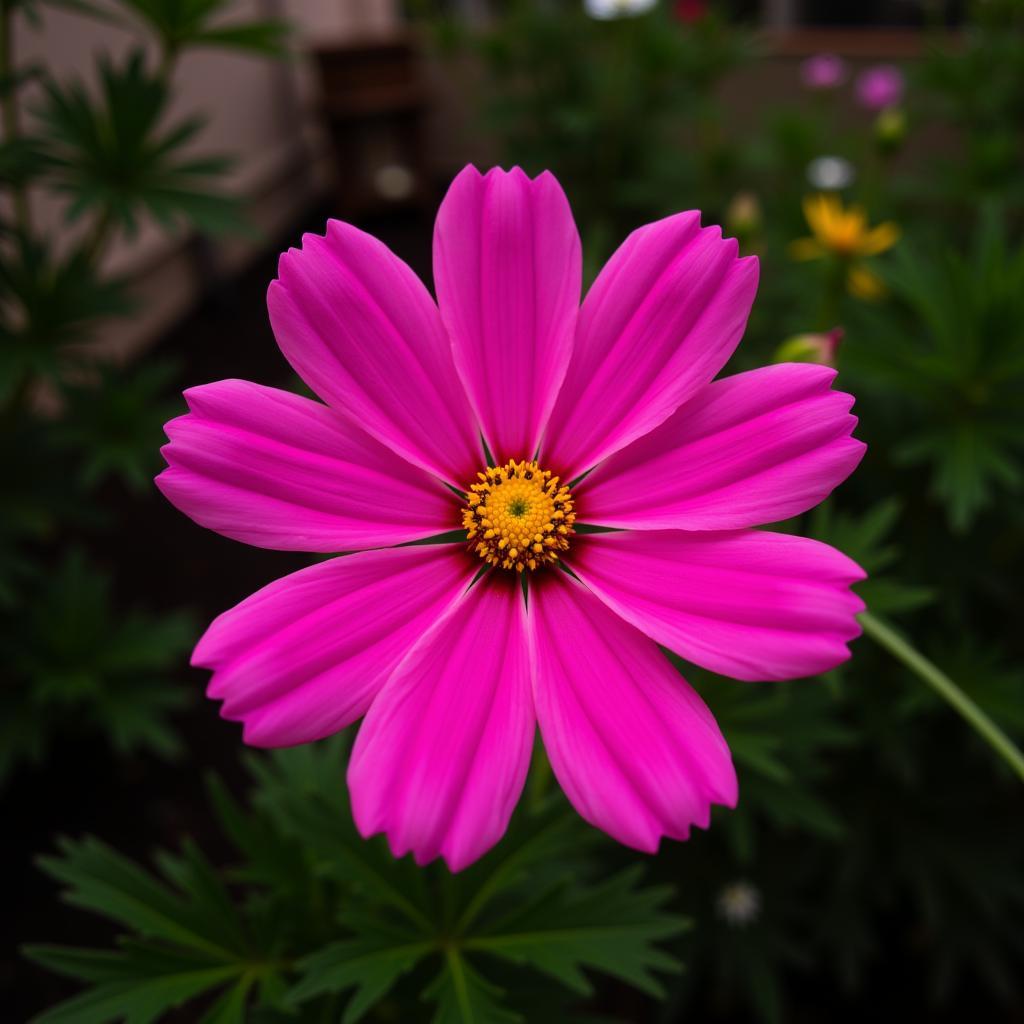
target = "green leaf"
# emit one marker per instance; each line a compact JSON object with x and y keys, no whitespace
{"x":942,"y":362}
{"x":20,"y":161}
{"x":76,"y":663}
{"x":50,"y":302}
{"x":612,"y":927}
{"x":137,"y":985}
{"x":14,"y":80}
{"x":464,"y":997}
{"x":189,"y":938}
{"x":866,"y":539}
{"x":102,"y":880}
{"x":230,"y":1007}
{"x":113,"y":423}
{"x":182,"y":23}
{"x":303,"y":792}
{"x":115,"y":158}
{"x":370,"y":963}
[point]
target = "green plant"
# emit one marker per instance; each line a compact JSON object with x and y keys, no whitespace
{"x":314,"y":922}
{"x":75,"y":660}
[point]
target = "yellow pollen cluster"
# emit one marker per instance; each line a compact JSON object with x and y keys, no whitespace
{"x":519,"y":516}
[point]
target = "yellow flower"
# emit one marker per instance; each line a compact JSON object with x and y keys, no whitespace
{"x":844,"y":233}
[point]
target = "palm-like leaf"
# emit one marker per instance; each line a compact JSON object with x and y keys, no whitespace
{"x":114,"y":159}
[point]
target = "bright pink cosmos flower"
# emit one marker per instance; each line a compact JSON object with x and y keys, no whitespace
{"x":453,"y":675}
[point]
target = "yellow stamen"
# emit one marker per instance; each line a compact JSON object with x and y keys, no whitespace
{"x":519,"y":516}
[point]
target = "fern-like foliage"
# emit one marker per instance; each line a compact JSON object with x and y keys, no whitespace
{"x":75,"y":662}
{"x":314,"y":921}
{"x":115,"y":157}
{"x":946,"y":357}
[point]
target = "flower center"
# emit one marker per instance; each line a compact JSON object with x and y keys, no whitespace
{"x":519,"y":516}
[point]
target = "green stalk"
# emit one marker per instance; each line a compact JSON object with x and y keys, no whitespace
{"x":946,"y":689}
{"x":832,"y":294}
{"x":9,"y":114}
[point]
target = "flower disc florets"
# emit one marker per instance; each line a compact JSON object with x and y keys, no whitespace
{"x":519,"y":516}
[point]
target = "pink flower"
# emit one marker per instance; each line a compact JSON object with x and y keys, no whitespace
{"x":689,"y":11}
{"x":453,"y":675}
{"x":880,"y":86}
{"x":823,"y":71}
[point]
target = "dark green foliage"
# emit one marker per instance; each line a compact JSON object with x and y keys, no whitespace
{"x":75,"y":662}
{"x":977,"y":83}
{"x":20,"y":159}
{"x":116,"y":158}
{"x":182,"y":23}
{"x":313,"y":917}
{"x":113,"y":425}
{"x":947,"y":355}
{"x":868,"y":541}
{"x":49,"y":302}
{"x":188,"y":936}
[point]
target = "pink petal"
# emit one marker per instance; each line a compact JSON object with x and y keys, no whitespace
{"x":748,"y":604}
{"x":303,"y":657}
{"x":507,"y":271}
{"x":660,"y":321}
{"x":361,"y":330}
{"x":633,"y":746}
{"x":441,"y":759}
{"x":755,"y":448}
{"x":279,"y":471}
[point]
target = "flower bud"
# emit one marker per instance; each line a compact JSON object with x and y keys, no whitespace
{"x":739,"y":904}
{"x":810,"y":348}
{"x":890,"y":129}
{"x":743,"y":215}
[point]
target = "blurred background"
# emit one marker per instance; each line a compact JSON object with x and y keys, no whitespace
{"x":156,"y":157}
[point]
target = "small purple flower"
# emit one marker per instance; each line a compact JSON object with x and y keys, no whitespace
{"x":880,"y":87}
{"x":823,"y":71}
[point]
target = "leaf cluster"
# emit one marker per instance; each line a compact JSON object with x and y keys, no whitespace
{"x":946,"y":359}
{"x":108,"y":147}
{"x":114,"y":158}
{"x":75,"y":663}
{"x":312,"y":920}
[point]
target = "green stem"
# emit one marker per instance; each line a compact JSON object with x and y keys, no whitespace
{"x":945,"y":688}
{"x":832,"y":293}
{"x":9,"y":114}
{"x":540,"y":778}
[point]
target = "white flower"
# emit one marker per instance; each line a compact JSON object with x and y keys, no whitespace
{"x":608,"y":10}
{"x":739,"y":904}
{"x":830,"y":173}
{"x":393,"y":181}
